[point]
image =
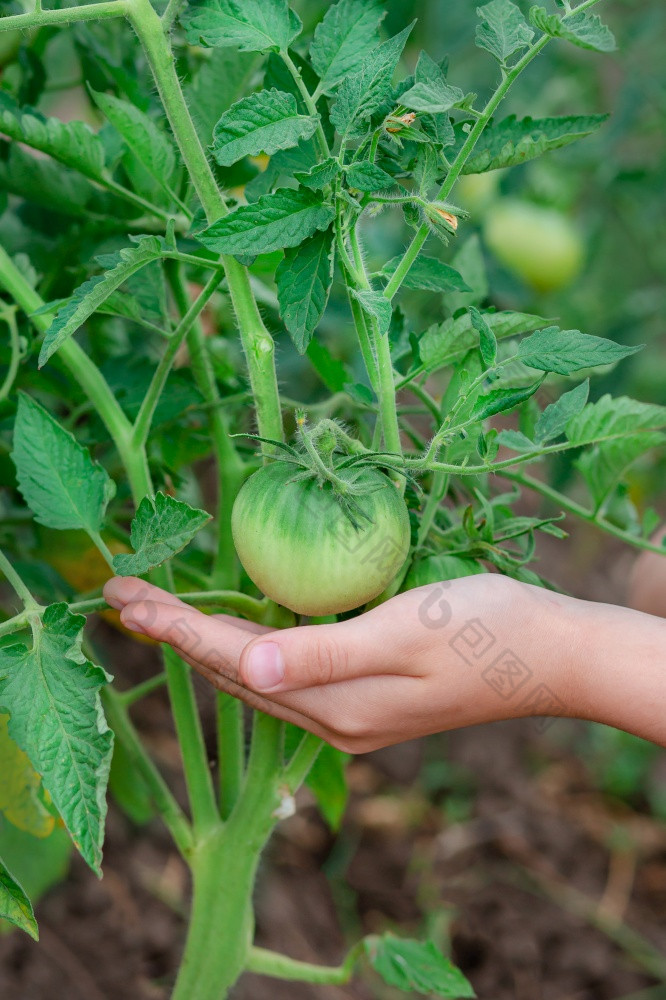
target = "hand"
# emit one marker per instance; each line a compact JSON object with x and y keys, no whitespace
{"x":440,"y":657}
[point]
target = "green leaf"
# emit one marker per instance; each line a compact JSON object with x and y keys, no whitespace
{"x":343,"y":39}
{"x":487,"y":339}
{"x":220,"y":80}
{"x":320,"y":175}
{"x":15,"y":905}
{"x":327,"y":781}
{"x":161,"y":528}
{"x":502,"y":400}
{"x":366,"y":176}
{"x":333,"y":372}
{"x":362,"y":93}
{"x":449,"y":341}
{"x":260,"y":123}
{"x":304,"y":279}
{"x":149,"y":144}
{"x":583,"y":29}
{"x":568,"y":351}
{"x":20,"y":800}
{"x":72,"y":143}
{"x":58,"y":479}
{"x":52,"y":695}
{"x":430,"y":91}
{"x":640,"y":426}
{"x":513,"y":141}
{"x":516,"y":440}
{"x":376,"y":306}
{"x":416,"y":967}
{"x":46,"y":182}
{"x":554,"y":419}
{"x":429,"y":274}
{"x":249,"y":25}
{"x":273,"y":222}
{"x":503,"y":29}
{"x":37,"y":863}
{"x":90,"y":296}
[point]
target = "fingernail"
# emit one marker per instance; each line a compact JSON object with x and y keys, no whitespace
{"x":133,"y":626}
{"x":265,"y":668}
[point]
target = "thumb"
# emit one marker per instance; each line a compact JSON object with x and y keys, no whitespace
{"x":313,"y":655}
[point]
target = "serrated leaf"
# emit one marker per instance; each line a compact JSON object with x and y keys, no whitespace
{"x":261,"y":123}
{"x":554,"y":419}
{"x":46,"y":182}
{"x":19,"y":788}
{"x":249,"y":25}
{"x":320,"y":175}
{"x":502,"y":400}
{"x":581,"y":28}
{"x":304,"y":279}
{"x":92,"y":293}
{"x":503,"y":29}
{"x":346,"y":35}
{"x":58,"y":479}
{"x":567,"y":351}
{"x":52,"y":695}
{"x":72,"y":143}
{"x":376,"y":306}
{"x":636,"y":427}
{"x":429,"y":274}
{"x":161,"y":528}
{"x":275,"y":221}
{"x":361,"y":94}
{"x":149,"y":144}
{"x":15,"y":905}
{"x":487,"y":339}
{"x":445,"y":342}
{"x":366,"y":176}
{"x":513,"y":141}
{"x":430,"y":91}
{"x":416,"y":966}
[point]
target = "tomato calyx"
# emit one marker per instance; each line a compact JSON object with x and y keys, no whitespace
{"x":327,"y":453}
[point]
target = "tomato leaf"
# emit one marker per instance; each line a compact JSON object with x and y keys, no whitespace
{"x":581,"y":28}
{"x":502,"y":400}
{"x":57,"y":477}
{"x":346,"y":35}
{"x":362,"y":93}
{"x":554,"y":419}
{"x":261,"y":123}
{"x":250,"y":25}
{"x":366,"y":176}
{"x":320,"y":175}
{"x":15,"y":905}
{"x":376,"y":306}
{"x":46,"y":182}
{"x":430,"y":91}
{"x":72,"y":143}
{"x":513,"y":141}
{"x":19,"y":788}
{"x":430,"y":274}
{"x":449,"y":341}
{"x":52,"y":695}
{"x":503,"y":29}
{"x":96,"y":290}
{"x":416,"y":966}
{"x":273,"y":222}
{"x":304,"y":279}
{"x":487,"y":339}
{"x":567,"y":351}
{"x":161,"y":528}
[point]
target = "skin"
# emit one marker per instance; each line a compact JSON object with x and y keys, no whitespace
{"x":432,"y":659}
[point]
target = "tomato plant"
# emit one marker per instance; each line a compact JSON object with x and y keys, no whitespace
{"x":227,"y":200}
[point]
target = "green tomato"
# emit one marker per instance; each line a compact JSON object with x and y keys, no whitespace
{"x":301,"y":549}
{"x":540,"y":245}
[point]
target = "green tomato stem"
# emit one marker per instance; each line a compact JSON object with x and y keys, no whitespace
{"x":231,"y":750}
{"x":140,"y":691}
{"x":302,"y":761}
{"x":17,"y":584}
{"x":86,"y":12}
{"x":307,"y":100}
{"x":9,"y":316}
{"x":269,"y":963}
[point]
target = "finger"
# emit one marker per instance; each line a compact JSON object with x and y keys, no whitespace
{"x":123,"y":590}
{"x":315,"y":655}
{"x":216,"y":643}
{"x":242,"y":623}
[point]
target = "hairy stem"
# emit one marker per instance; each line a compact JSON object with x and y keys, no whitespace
{"x":17,"y":584}
{"x":269,"y":963}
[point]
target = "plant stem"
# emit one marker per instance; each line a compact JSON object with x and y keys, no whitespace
{"x":17,"y":584}
{"x":231,"y":750}
{"x":116,"y":712}
{"x":307,"y":100}
{"x":269,"y":963}
{"x":302,"y":761}
{"x":139,"y":691}
{"x":86,"y":12}
{"x":9,"y":316}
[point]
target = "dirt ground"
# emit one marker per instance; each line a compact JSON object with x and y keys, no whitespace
{"x":497,"y":843}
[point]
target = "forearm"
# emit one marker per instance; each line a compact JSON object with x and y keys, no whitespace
{"x":617,"y":669}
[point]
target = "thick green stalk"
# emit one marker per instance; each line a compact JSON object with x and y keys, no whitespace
{"x":231,"y":750}
{"x":302,"y":761}
{"x":9,"y":317}
{"x":16,"y":583}
{"x":87,"y":12}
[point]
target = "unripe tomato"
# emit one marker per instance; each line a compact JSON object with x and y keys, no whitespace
{"x":540,"y":245}
{"x":302,"y":550}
